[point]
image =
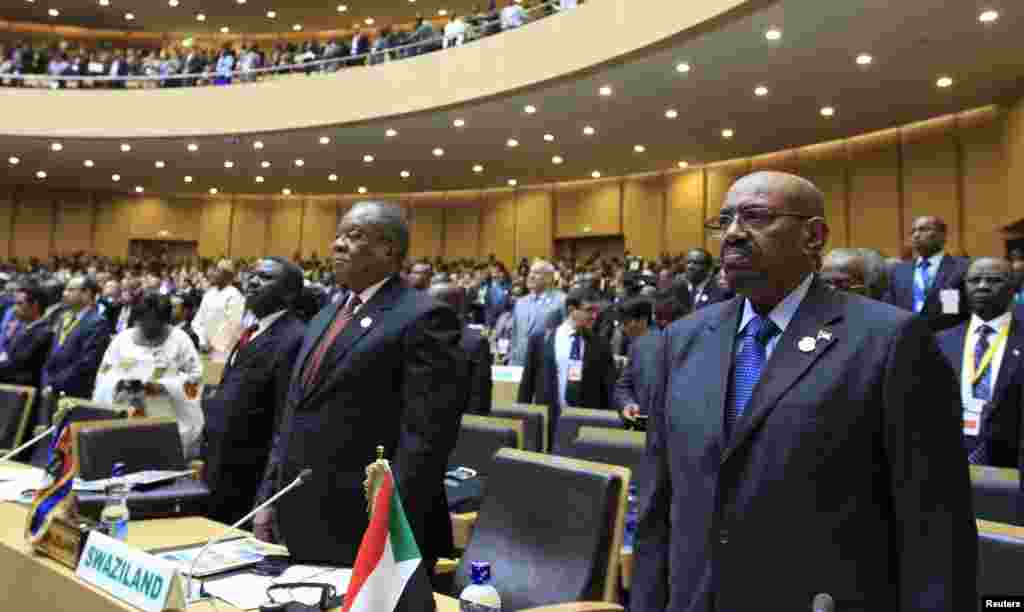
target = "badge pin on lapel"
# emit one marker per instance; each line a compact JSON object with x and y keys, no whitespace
{"x":825,"y":335}
{"x":1016,"y":352}
{"x":806,"y":344}
{"x":366,"y":322}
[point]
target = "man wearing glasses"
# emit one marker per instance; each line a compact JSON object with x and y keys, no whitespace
{"x":802,"y":441}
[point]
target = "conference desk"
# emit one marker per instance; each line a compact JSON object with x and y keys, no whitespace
{"x":31,"y":582}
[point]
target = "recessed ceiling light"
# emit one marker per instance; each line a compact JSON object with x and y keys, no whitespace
{"x":40,"y":174}
{"x":159,"y":164}
{"x":683,"y":164}
{"x":682,"y":67}
{"x":170,"y":2}
{"x":391,"y":133}
{"x":333,"y":178}
{"x":988,"y":16}
{"x":671,"y":113}
{"x":864,"y":59}
{"x":53,"y":13}
{"x":193,"y":147}
{"x":257,"y":145}
{"x":297,"y":27}
{"x":605,"y":91}
{"x":229,"y":164}
{"x":200,"y":17}
{"x":14,"y":161}
{"x":129,"y":16}
{"x":188,"y":179}
{"x":727,"y":133}
{"x":88,"y":163}
{"x":828,"y":111}
{"x":529,"y":109}
{"x":595,"y":174}
{"x":225,"y":30}
{"x":639,"y":148}
{"x":260,"y":179}
{"x":512,"y":142}
{"x":139,"y":189}
{"x":286,"y":191}
{"x":438,"y":152}
{"x":405,"y":174}
{"x":557,"y":159}
{"x":588,"y":131}
{"x":271,"y":14}
{"x":115,"y":177}
{"x":367,"y":159}
{"x":126,"y":148}
{"x":240,"y":1}
{"x":512,"y":182}
{"x":264,"y":164}
{"x":56,"y":147}
{"x":361,"y":190}
{"x":368,"y":21}
{"x":761,"y":90}
{"x":478,"y":168}
{"x":442,"y":12}
{"x":944,"y":82}
{"x":342,"y":8}
{"x":459,"y":123}
{"x":773,"y":34}
{"x":325,"y":140}
{"x":213,"y":191}
{"x":300,"y":163}
{"x":107,"y":2}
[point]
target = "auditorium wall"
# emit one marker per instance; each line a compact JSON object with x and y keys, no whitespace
{"x":960,"y":167}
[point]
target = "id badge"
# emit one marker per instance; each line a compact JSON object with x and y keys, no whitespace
{"x":503,"y":345}
{"x":950,"y":299}
{"x":575,"y":370}
{"x":3,"y":357}
{"x":973,"y":410}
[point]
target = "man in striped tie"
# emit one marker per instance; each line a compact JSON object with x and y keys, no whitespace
{"x":801,"y":423}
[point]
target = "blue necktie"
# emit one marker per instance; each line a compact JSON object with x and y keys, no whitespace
{"x":982,"y":390}
{"x":747,"y":366}
{"x":574,"y":389}
{"x":920,"y":293}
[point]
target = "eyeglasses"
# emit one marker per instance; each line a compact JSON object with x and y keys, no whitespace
{"x":753,"y":218}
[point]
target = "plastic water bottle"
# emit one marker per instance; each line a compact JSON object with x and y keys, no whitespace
{"x":632,"y":516}
{"x":481,"y":596}
{"x":114,"y":517}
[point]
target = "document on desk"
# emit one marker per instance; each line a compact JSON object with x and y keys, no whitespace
{"x":249,"y":591}
{"x":243,"y":591}
{"x":15,"y":481}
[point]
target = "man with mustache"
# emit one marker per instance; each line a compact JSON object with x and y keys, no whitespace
{"x":986,"y":352}
{"x":800,"y":421}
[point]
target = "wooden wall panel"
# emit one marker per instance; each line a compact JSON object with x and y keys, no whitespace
{"x":111,"y":218}
{"x":426,"y":231}
{"x":462,"y":230}
{"x":147,"y":218}
{"x":6,"y":211}
{"x":534,"y":223}
{"x":285,"y":218}
{"x":74,"y":223}
{"x":33,"y":227}
{"x":215,"y":228}
{"x":319,"y":227}
{"x":249,"y":229}
{"x":597,"y":206}
{"x":643,"y":216}
{"x":984,"y":189}
{"x":685,"y":212}
{"x":826,"y":167}
{"x":930,"y":176}
{"x":875,"y":196}
{"x":498,"y":234}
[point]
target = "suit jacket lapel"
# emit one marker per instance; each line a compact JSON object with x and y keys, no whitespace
{"x":1012,"y":354}
{"x":716,"y":350}
{"x":819,"y":311}
{"x":317,"y":327}
{"x":941,"y":275}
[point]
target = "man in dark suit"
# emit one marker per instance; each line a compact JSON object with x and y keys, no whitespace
{"x":704,"y":291}
{"x":384,"y":368}
{"x":22,"y":359}
{"x":568,"y":365}
{"x":242,"y":416}
{"x":81,"y":336}
{"x":986,"y":354}
{"x":632,"y":389}
{"x":932,"y":285}
{"x":477,"y":349}
{"x":799,"y":422}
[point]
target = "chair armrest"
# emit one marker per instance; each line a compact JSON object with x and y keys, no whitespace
{"x":579,"y":606}
{"x":445,"y":566}
{"x":462,"y":528}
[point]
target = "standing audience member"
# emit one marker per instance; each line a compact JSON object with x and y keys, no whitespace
{"x":845,"y":270}
{"x":532,"y":310}
{"x":986,"y":353}
{"x":218,"y":324}
{"x":80,"y":338}
{"x":477,"y":349}
{"x":699,"y":272}
{"x":24,"y":355}
{"x":512,"y":16}
{"x":420,"y":275}
{"x":876,"y":273}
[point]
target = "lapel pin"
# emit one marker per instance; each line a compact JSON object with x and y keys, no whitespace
{"x":366,"y":322}
{"x":1016,"y":352}
{"x":703,"y":298}
{"x":825,"y":335}
{"x":806,"y":344}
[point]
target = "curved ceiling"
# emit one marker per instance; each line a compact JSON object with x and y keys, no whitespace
{"x":245,"y":16}
{"x":811,"y":66}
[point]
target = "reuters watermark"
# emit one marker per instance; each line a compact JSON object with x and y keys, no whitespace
{"x":1002,"y":602}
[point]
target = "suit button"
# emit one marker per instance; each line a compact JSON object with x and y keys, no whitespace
{"x":723,"y":536}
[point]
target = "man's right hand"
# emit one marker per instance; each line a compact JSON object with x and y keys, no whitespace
{"x":263,"y":525}
{"x":630,"y":412}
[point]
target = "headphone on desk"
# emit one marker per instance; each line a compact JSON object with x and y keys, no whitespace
{"x":328,"y":598}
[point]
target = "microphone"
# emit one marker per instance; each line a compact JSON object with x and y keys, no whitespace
{"x":823,"y":602}
{"x":305,"y":476}
{"x":29,"y":443}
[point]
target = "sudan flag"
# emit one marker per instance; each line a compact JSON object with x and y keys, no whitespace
{"x":388,"y":575}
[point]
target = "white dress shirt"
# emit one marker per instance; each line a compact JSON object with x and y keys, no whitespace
{"x":563,"y":348}
{"x":781,"y":315}
{"x":998,"y":324}
{"x":367,"y":294}
{"x":218,"y":324}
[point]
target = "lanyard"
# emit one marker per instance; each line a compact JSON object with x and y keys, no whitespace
{"x":68,"y":327}
{"x":986,"y":359}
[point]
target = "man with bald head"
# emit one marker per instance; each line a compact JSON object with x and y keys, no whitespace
{"x":931,"y":285}
{"x":845,"y":270}
{"x":794,"y":421}
{"x":532,"y":310}
{"x":986,"y":352}
{"x":476,"y":348}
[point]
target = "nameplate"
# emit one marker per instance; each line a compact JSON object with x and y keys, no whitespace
{"x":511,"y":374}
{"x":130,"y":575}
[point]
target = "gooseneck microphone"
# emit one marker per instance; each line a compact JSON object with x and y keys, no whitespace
{"x":14,"y":452}
{"x":823,"y":602}
{"x":305,"y":476}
